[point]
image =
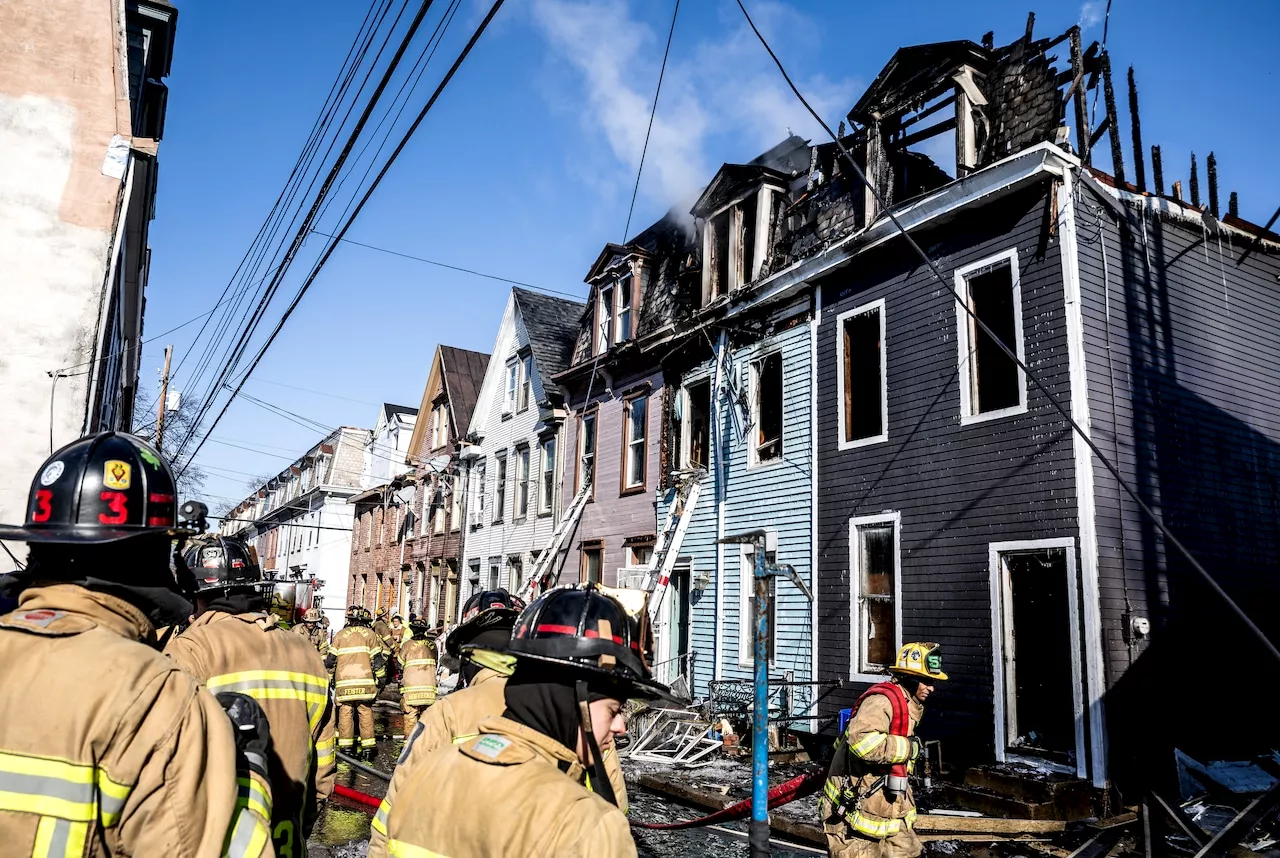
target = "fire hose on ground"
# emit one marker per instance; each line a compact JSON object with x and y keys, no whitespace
{"x":362,"y":798}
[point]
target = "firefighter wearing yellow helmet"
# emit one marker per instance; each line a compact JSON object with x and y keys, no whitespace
{"x":312,"y":629}
{"x":867,"y":806}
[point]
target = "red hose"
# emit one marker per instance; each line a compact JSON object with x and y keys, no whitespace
{"x":357,"y":796}
{"x":797,"y":787}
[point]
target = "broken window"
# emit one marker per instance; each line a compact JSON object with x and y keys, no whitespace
{"x":746,"y":229}
{"x":719,"y":261}
{"x":733,"y":246}
{"x":993,"y":382}
{"x":547,"y":474}
{"x":635,"y":450}
{"x":697,"y":420}
{"x":500,"y":487}
{"x":604,"y":320}
{"x":863,"y":394}
{"x":522,"y":483}
{"x":587,"y":450}
{"x":875,"y":576}
{"x":767,"y":407}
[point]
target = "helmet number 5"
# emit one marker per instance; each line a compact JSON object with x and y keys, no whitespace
{"x":116,"y":504}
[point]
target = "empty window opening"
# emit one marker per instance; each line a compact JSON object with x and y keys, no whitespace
{"x":746,"y":255}
{"x":864,"y":375}
{"x":698,"y":419}
{"x":768,"y":408}
{"x":875,"y":560}
{"x":1041,"y":709}
{"x":995,"y":381}
{"x":720,"y":257}
{"x":604,"y":319}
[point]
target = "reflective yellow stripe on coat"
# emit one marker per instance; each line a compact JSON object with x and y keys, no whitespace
{"x":872,"y":826}
{"x":277,"y":685}
{"x":61,"y":790}
{"x":400,"y":849}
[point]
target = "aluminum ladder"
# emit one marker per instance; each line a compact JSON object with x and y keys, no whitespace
{"x":667,"y":548}
{"x":542,"y":566}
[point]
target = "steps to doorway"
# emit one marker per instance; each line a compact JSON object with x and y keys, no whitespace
{"x":1022,"y":793}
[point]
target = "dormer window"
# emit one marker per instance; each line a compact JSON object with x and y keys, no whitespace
{"x":615,"y":313}
{"x":519,"y":389}
{"x":735,"y":244}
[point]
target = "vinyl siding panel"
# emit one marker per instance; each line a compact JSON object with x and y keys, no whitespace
{"x":957,"y":488}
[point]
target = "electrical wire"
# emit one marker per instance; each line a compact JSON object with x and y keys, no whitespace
{"x":652,"y":113}
{"x":332,"y":246}
{"x":1012,"y":355}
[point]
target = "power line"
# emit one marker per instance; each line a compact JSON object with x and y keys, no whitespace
{"x":317,"y":392}
{"x":439,"y":264}
{"x":318,"y":266}
{"x":1066,"y":415}
{"x":652,"y":113}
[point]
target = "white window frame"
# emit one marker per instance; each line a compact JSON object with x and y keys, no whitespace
{"x":477,"y":516}
{"x":512,"y":386}
{"x":623,"y":286}
{"x":546,"y":456}
{"x":754,"y":365}
{"x":634,"y":558}
{"x":515,"y":581}
{"x":746,"y":601}
{"x":455,"y":506}
{"x":594,"y":416}
{"x":964,"y":343}
{"x":605,"y":320}
{"x":500,"y":486}
{"x":437,"y":518}
{"x":844,"y":443}
{"x":523,"y":456}
{"x":628,"y":440}
{"x":741,"y":272}
{"x":857,"y":669}
{"x":525,"y":389}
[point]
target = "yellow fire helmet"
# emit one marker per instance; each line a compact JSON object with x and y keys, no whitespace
{"x":921,"y":660}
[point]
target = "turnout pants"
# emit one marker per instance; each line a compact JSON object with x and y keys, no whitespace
{"x":844,"y":842}
{"x":347,"y":714}
{"x":411,"y":715}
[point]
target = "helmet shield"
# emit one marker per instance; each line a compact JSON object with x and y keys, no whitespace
{"x":222,"y":563}
{"x":485,"y":610}
{"x":100,"y":488}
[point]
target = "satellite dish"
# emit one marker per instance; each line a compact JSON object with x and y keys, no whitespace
{"x":439,"y":464}
{"x":405,"y":495}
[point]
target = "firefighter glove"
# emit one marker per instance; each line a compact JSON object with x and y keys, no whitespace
{"x":253,"y":733}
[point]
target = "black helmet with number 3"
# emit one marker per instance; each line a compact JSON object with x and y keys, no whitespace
{"x":486,"y":612}
{"x":222,"y":563}
{"x":100,"y":488}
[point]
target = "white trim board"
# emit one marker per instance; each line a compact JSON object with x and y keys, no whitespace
{"x":965,"y":347}
{"x":842,"y":442}
{"x":855,"y":656}
{"x":1002,"y":640}
{"x":1085,"y":498}
{"x":814,"y":324}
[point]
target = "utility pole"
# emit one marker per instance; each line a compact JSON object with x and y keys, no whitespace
{"x":164,"y":396}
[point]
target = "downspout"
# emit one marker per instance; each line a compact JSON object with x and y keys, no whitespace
{"x":718,"y":423}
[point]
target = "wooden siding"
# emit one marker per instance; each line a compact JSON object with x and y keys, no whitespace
{"x":956,"y":487}
{"x":1191,"y":344}
{"x":774,"y":495}
{"x":612,"y":516}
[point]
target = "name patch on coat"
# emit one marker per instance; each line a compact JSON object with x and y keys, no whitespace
{"x":491,"y":746}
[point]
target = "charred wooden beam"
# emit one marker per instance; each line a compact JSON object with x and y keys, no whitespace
{"x":1233,"y":205}
{"x":1195,"y":182}
{"x":925,"y":133}
{"x":1102,"y":129}
{"x":1139,"y":166}
{"x":1082,"y":118}
{"x":1109,"y":95}
{"x":929,"y":111}
{"x":1211,"y":170}
{"x":1157,"y":170}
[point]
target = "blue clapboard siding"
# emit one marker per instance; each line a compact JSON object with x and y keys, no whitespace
{"x":957,"y":488}
{"x":776,"y":496}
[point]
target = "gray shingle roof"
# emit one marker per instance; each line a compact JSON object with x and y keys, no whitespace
{"x":552,"y":324}
{"x":463,"y":374}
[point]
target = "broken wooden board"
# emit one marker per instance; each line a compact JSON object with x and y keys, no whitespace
{"x":988,"y":824}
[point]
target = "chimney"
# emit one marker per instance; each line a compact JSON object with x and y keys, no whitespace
{"x":1233,"y":206}
{"x":1211,"y":169}
{"x":1139,"y":167}
{"x":1177,"y":191}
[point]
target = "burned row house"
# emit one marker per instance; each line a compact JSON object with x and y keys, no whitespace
{"x":790,"y":354}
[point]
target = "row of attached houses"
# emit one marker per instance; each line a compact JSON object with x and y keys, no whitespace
{"x":786,"y":349}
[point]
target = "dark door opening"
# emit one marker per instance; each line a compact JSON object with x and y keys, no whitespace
{"x":681,"y":630}
{"x":1041,"y":703}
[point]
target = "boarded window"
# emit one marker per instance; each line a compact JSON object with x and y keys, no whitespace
{"x":876,"y":563}
{"x":768,"y":408}
{"x":995,"y":382}
{"x":864,"y":374}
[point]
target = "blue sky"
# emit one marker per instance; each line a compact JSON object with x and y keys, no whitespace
{"x":525,"y":167}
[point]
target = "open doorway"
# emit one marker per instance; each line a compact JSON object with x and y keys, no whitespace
{"x":1036,"y":638}
{"x":673,"y":636}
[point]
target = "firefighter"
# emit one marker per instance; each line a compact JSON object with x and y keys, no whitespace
{"x":579,"y":657}
{"x":233,"y":644}
{"x":867,"y":807}
{"x":383,"y":628}
{"x":106,"y":746}
{"x":313,"y":630}
{"x":418,"y":682}
{"x":359,"y":663}
{"x":398,"y":636}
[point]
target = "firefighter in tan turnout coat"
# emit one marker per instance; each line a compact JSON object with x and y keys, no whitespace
{"x":417,"y":656}
{"x":867,"y":807}
{"x":578,"y":659}
{"x":234,"y":645}
{"x":106,"y":746}
{"x":312,"y":628}
{"x":359,"y":663}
